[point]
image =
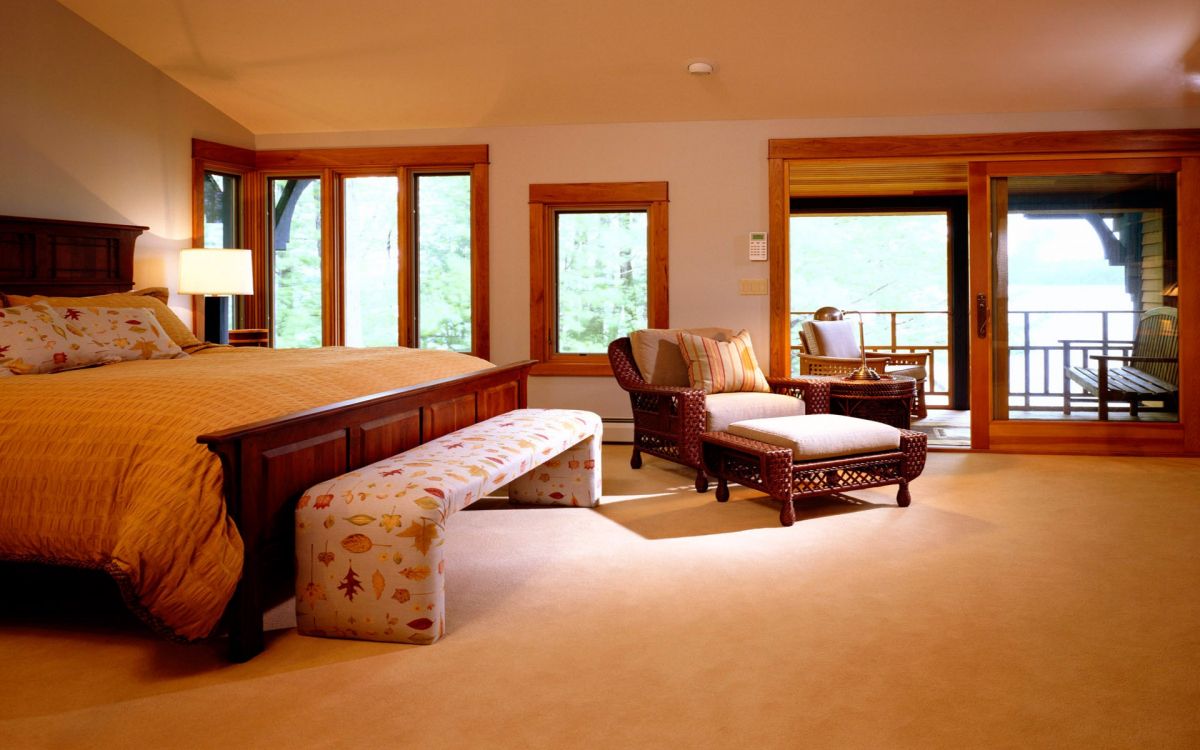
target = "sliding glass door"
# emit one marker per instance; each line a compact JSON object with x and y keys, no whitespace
{"x":1077,"y":302}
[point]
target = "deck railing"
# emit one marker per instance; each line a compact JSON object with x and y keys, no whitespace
{"x":937,"y":382}
{"x":1037,"y":354}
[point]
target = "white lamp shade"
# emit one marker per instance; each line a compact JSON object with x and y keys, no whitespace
{"x":215,"y":271}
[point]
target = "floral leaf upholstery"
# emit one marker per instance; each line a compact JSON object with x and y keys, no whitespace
{"x":386,"y":523}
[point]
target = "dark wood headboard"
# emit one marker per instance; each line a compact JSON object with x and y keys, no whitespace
{"x":67,"y":258}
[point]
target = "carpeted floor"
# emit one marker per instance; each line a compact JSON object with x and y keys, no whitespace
{"x":1020,"y":602}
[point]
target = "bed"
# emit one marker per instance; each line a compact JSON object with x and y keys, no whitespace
{"x":246,"y":430}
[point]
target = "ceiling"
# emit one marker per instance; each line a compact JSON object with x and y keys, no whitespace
{"x":284,"y":66}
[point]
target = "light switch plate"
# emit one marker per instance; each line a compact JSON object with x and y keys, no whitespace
{"x":752,"y":286}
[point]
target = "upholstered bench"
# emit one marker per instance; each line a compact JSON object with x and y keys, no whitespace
{"x":369,"y":543}
{"x":818,"y":454}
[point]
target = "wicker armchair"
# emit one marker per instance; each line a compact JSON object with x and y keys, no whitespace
{"x":668,"y":420}
{"x":814,"y":361}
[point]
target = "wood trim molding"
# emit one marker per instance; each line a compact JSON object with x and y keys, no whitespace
{"x":991,"y":145}
{"x":1127,"y":165}
{"x":481,"y":334}
{"x":657,"y":268}
{"x":1188,"y":276}
{"x":544,"y":201}
{"x":209,"y":151}
{"x":780,"y":278}
{"x":406,"y":309}
{"x":332,"y":260}
{"x":979,"y":232}
{"x":599,"y":192}
{"x":373,"y":157}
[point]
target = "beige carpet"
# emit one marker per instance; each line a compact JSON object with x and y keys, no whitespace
{"x":1023,"y":602}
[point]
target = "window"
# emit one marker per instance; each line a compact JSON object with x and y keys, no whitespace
{"x":296,"y":261}
{"x":443,"y":273}
{"x":370,"y":250}
{"x":220,"y":179}
{"x":222,"y":214}
{"x":360,"y":246}
{"x":598,"y":270}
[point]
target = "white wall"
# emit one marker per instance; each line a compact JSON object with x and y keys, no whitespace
{"x":718,"y":187}
{"x":91,"y":132}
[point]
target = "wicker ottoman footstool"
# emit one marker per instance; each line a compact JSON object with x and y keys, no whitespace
{"x":817,"y":454}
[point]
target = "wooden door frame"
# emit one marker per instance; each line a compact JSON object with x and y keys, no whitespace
{"x":1144,"y":438}
{"x":976,"y":151}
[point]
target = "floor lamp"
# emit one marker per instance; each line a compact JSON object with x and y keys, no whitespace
{"x":216,"y":273}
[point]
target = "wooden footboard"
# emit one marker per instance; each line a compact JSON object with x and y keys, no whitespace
{"x":269,"y":464}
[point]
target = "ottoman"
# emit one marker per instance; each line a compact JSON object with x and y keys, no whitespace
{"x":816,"y":454}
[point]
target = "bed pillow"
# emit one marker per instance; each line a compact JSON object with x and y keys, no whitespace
{"x":35,"y":340}
{"x":722,"y":366}
{"x":121,"y":333}
{"x":151,"y":298}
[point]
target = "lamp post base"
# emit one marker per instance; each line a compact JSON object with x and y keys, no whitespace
{"x":216,"y":320}
{"x":863,"y":373}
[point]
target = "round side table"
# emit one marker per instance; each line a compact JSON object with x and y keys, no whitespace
{"x":888,"y":400}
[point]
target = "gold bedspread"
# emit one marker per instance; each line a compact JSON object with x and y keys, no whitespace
{"x":100,"y":468}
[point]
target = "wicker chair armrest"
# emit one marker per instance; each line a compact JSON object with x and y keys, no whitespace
{"x":814,"y":393}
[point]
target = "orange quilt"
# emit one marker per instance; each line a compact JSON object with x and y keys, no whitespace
{"x":100,"y":468}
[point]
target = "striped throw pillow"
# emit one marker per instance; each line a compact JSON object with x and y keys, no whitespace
{"x":722,"y":366}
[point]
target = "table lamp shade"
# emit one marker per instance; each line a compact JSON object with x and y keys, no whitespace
{"x":215,"y":271}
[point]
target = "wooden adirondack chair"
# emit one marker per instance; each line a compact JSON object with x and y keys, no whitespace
{"x":1150,"y":371}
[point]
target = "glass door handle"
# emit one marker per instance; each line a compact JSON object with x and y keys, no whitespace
{"x":981,"y":315}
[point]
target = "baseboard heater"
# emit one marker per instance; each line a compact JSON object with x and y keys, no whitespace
{"x":618,"y":430}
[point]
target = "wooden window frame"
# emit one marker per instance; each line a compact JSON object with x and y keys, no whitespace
{"x":332,"y":165}
{"x":545,"y":202}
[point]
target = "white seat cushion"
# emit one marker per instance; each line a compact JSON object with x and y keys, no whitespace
{"x":723,"y":409}
{"x":916,"y":372}
{"x":820,"y":435}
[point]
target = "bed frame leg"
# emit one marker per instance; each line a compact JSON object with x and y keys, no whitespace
{"x":244,"y":619}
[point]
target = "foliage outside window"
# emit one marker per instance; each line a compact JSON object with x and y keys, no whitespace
{"x":599,"y":270}
{"x":222,"y":209}
{"x":371,"y":255}
{"x":602,"y":278}
{"x":296,"y":259}
{"x":443,"y":229}
{"x":893,"y":266}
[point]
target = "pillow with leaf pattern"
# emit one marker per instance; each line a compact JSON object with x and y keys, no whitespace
{"x":120,"y":333}
{"x":34,"y":340}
